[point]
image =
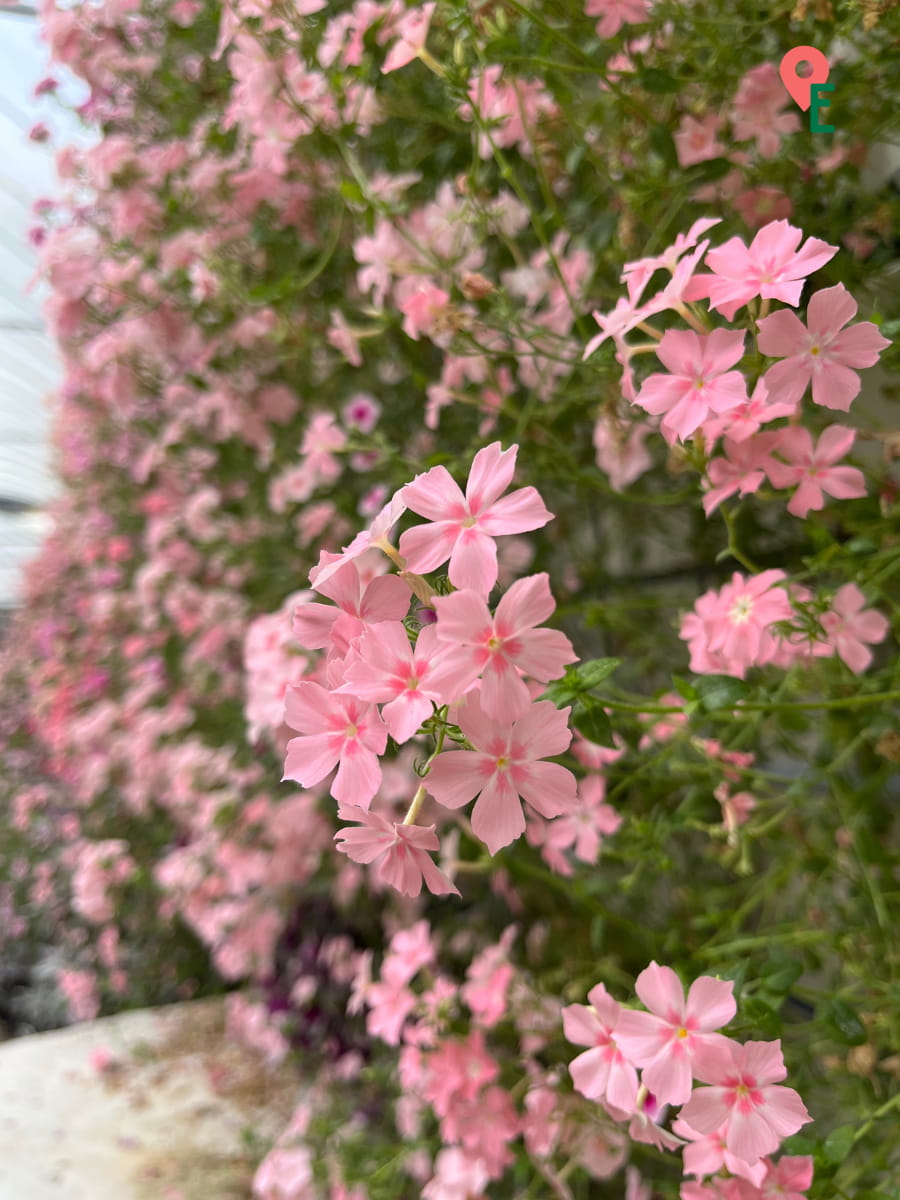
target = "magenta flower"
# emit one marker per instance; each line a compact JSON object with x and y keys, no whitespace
{"x":463,"y":528}
{"x":699,"y":380}
{"x":849,"y":629}
{"x":503,"y":767}
{"x":665,"y":1040}
{"x":602,"y":1072}
{"x":773,"y":266}
{"x":812,"y":470}
{"x":389,"y":671}
{"x":402,"y":849}
{"x":495,"y":647}
{"x":756,"y":1115}
{"x":335,"y":729}
{"x":822,"y":352}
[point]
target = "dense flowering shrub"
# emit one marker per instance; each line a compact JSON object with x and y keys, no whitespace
{"x":439,"y":673}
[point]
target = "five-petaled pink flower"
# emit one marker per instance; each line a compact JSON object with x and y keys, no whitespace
{"x":756,"y":1114}
{"x":334,"y":730}
{"x":823,"y":352}
{"x":616,"y":13}
{"x":384,"y":598}
{"x":504,"y":766}
{"x":812,"y":470}
{"x":494,"y":647}
{"x":602,"y":1072}
{"x":411,"y":30}
{"x":403,"y":850}
{"x":699,"y":382}
{"x":772,"y":266}
{"x":849,"y":628}
{"x":386,"y":669}
{"x":666,"y":1040}
{"x":463,"y":528}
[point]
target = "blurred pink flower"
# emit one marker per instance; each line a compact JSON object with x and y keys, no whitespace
{"x":850,"y":629}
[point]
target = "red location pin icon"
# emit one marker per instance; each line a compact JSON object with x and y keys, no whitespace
{"x":800,"y":86}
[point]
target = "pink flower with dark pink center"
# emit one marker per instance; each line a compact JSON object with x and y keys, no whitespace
{"x":822,"y":352}
{"x":851,"y":630}
{"x":463,"y":527}
{"x":813,"y":470}
{"x":699,"y":382}
{"x":336,"y":731}
{"x":666,"y":1040}
{"x":403,"y":851}
{"x":602,"y":1072}
{"x":497,"y":647}
{"x":744,"y":1099}
{"x":504,"y":766}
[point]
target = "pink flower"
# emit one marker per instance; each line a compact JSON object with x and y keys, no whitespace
{"x":494,"y":647}
{"x":458,"y":1176}
{"x":757,"y":110}
{"x":741,"y":471}
{"x":335,"y":730}
{"x":402,"y":849}
{"x":820,"y":353}
{"x":756,"y":1115}
{"x":665,"y":1040}
{"x":388,"y":670}
{"x":621,"y":452}
{"x":742,"y":422}
{"x":788,"y":1179}
{"x":760,"y":205}
{"x":463,"y":528}
{"x":636,"y":274}
{"x":384,"y":598}
{"x":504,"y":766}
{"x":849,"y":628}
{"x":616,"y":13}
{"x":772,"y":266}
{"x":696,"y":141}
{"x":412,"y":28}
{"x":730,"y":630}
{"x":602,"y":1072}
{"x":812,"y":470}
{"x":377,"y":532}
{"x":699,"y":382}
{"x":708,"y":1154}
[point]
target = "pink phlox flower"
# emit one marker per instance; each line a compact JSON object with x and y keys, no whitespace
{"x":498,"y":647}
{"x":773,"y":266}
{"x":336,"y":731}
{"x":603,"y":1071}
{"x":755,"y":1113}
{"x":696,"y":140}
{"x":463,"y":528}
{"x":504,"y":766}
{"x":741,"y":471}
{"x":759,"y":206}
{"x":408,"y":681}
{"x":594,"y":757}
{"x":821,"y":352}
{"x":377,"y":532}
{"x":665,"y":1040}
{"x":758,"y":105}
{"x":390,"y":1003}
{"x":812,"y":469}
{"x":788,"y":1179}
{"x":736,"y":807}
{"x":626,"y":315}
{"x":735,"y":623}
{"x":646,"y":1124}
{"x":457,"y":1176}
{"x":620,"y":450}
{"x":849,"y":628}
{"x":592,"y":820}
{"x":636,"y":274}
{"x":668,"y":724}
{"x":402,"y":849}
{"x":458,"y":1070}
{"x":616,"y":13}
{"x":410,"y":950}
{"x":699,"y":381}
{"x":485,"y":1127}
{"x":358,"y":605}
{"x":411,"y":30}
{"x":707,"y":1154}
{"x":746,"y":419}
{"x":487,"y":981}
{"x":424,"y":307}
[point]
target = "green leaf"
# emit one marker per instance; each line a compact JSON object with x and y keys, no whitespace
{"x":652,"y":79}
{"x":663,"y":144}
{"x":591,"y":721}
{"x":844,"y":1022}
{"x":839,"y":1143}
{"x":719,"y":691}
{"x":591,"y":674}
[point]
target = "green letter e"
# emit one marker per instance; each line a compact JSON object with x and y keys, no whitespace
{"x":816,"y":102}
